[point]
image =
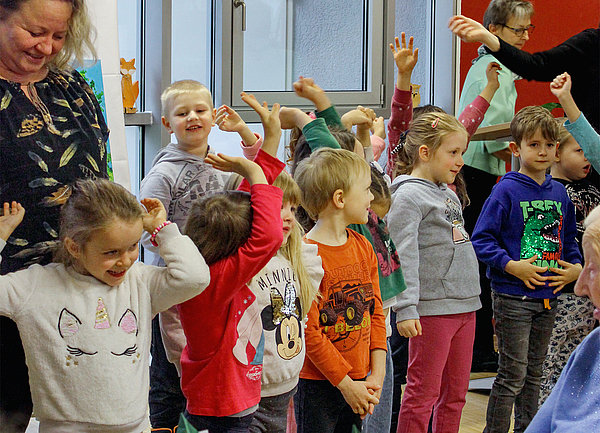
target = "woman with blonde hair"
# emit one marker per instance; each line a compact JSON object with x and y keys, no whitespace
{"x":51,"y":133}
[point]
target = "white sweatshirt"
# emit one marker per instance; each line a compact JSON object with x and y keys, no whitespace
{"x":87,"y":344}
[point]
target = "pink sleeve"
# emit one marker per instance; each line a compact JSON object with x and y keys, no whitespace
{"x":251,"y":151}
{"x":399,"y":122}
{"x":172,"y":335}
{"x":472,"y":115}
{"x":378,"y":145}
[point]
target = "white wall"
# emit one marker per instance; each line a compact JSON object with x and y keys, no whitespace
{"x":104,"y":16}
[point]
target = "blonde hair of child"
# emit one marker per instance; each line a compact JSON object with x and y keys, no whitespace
{"x":529,"y":119}
{"x":292,"y":250}
{"x":323,"y":173}
{"x":93,"y":205}
{"x":563,"y":135}
{"x":429,"y":130}
{"x":182,"y":87}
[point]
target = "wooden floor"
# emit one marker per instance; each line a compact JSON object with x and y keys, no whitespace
{"x":473,"y":415}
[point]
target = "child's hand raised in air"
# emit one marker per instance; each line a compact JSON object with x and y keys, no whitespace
{"x":410,"y":328}
{"x":405,"y":57}
{"x":230,"y":121}
{"x":12,"y":216}
{"x":306,"y":88}
{"x":358,"y":395}
{"x":561,"y":85}
{"x":378,"y":127}
{"x":293,"y":117}
{"x":491,"y":72}
{"x":568,"y":273}
{"x":155,"y":214}
{"x":362,"y":118}
{"x":270,"y":121}
{"x":250,"y":170}
{"x":527,"y":272}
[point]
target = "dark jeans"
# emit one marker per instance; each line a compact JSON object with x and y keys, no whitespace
{"x":166,"y":399}
{"x":320,"y":408}
{"x":271,"y":415}
{"x":523,"y":328}
{"x":220,"y":424}
{"x":479,"y":187}
{"x":15,"y":398}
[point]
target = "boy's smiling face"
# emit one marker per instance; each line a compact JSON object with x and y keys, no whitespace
{"x":536,"y":154}
{"x":191,"y":117}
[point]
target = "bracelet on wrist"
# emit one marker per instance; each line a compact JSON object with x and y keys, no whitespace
{"x":156,"y":230}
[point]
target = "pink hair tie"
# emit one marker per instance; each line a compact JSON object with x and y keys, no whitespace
{"x":312,"y":115}
{"x":156,"y":230}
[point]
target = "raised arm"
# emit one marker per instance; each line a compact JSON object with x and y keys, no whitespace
{"x":405,"y":58}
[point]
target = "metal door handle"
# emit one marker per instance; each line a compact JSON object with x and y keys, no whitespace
{"x":237,"y":4}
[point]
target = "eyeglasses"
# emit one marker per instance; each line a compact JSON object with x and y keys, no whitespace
{"x":519,"y":32}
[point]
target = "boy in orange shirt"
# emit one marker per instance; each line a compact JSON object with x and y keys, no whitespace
{"x":345,"y":335}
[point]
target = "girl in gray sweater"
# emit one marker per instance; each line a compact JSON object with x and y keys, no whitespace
{"x":437,"y":310}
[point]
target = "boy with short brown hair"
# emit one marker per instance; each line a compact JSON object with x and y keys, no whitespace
{"x":526,"y":236}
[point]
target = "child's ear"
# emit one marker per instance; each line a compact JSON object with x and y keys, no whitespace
{"x":514,"y":148}
{"x":214,"y":117}
{"x":556,"y":153}
{"x":166,"y":124}
{"x":338,"y":199}
{"x":72,"y":247}
{"x":424,"y":153}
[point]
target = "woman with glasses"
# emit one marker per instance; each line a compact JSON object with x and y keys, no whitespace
{"x":510,"y":21}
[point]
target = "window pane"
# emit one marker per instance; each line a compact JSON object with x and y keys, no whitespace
{"x":191,"y":40}
{"x":285,"y":39}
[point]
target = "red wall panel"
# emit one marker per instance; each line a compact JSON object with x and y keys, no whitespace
{"x":554,"y":20}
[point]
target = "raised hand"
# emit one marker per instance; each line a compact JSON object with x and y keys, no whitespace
{"x":470,"y":30}
{"x":155,"y":214}
{"x":270,"y":121}
{"x":229,"y":120}
{"x":404,"y":56}
{"x":250,"y":170}
{"x":306,"y":88}
{"x":12,"y":216}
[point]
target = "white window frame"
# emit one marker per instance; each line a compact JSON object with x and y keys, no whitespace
{"x":227,"y":74}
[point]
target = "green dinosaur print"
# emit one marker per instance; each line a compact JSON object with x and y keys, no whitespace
{"x":541,"y":232}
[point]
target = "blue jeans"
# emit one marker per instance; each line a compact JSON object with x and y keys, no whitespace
{"x":523,"y":328}
{"x":381,"y":419}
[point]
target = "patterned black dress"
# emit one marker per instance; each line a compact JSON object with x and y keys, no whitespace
{"x":46,"y":142}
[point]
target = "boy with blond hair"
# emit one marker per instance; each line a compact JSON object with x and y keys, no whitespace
{"x":178,"y":177}
{"x":526,"y":236}
{"x":345,"y":334}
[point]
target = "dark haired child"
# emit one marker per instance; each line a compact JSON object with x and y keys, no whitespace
{"x":526,"y":235}
{"x":225,"y":343}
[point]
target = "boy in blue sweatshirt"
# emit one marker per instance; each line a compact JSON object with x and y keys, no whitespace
{"x":525,"y":234}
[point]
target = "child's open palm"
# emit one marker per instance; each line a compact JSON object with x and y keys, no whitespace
{"x":249,"y":170}
{"x":270,"y":121}
{"x":405,"y":57}
{"x":155,"y":214}
{"x":12,"y":216}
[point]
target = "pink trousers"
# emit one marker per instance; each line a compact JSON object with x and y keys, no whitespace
{"x":439,"y":364}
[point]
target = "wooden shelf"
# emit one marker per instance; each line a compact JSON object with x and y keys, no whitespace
{"x":143,"y":118}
